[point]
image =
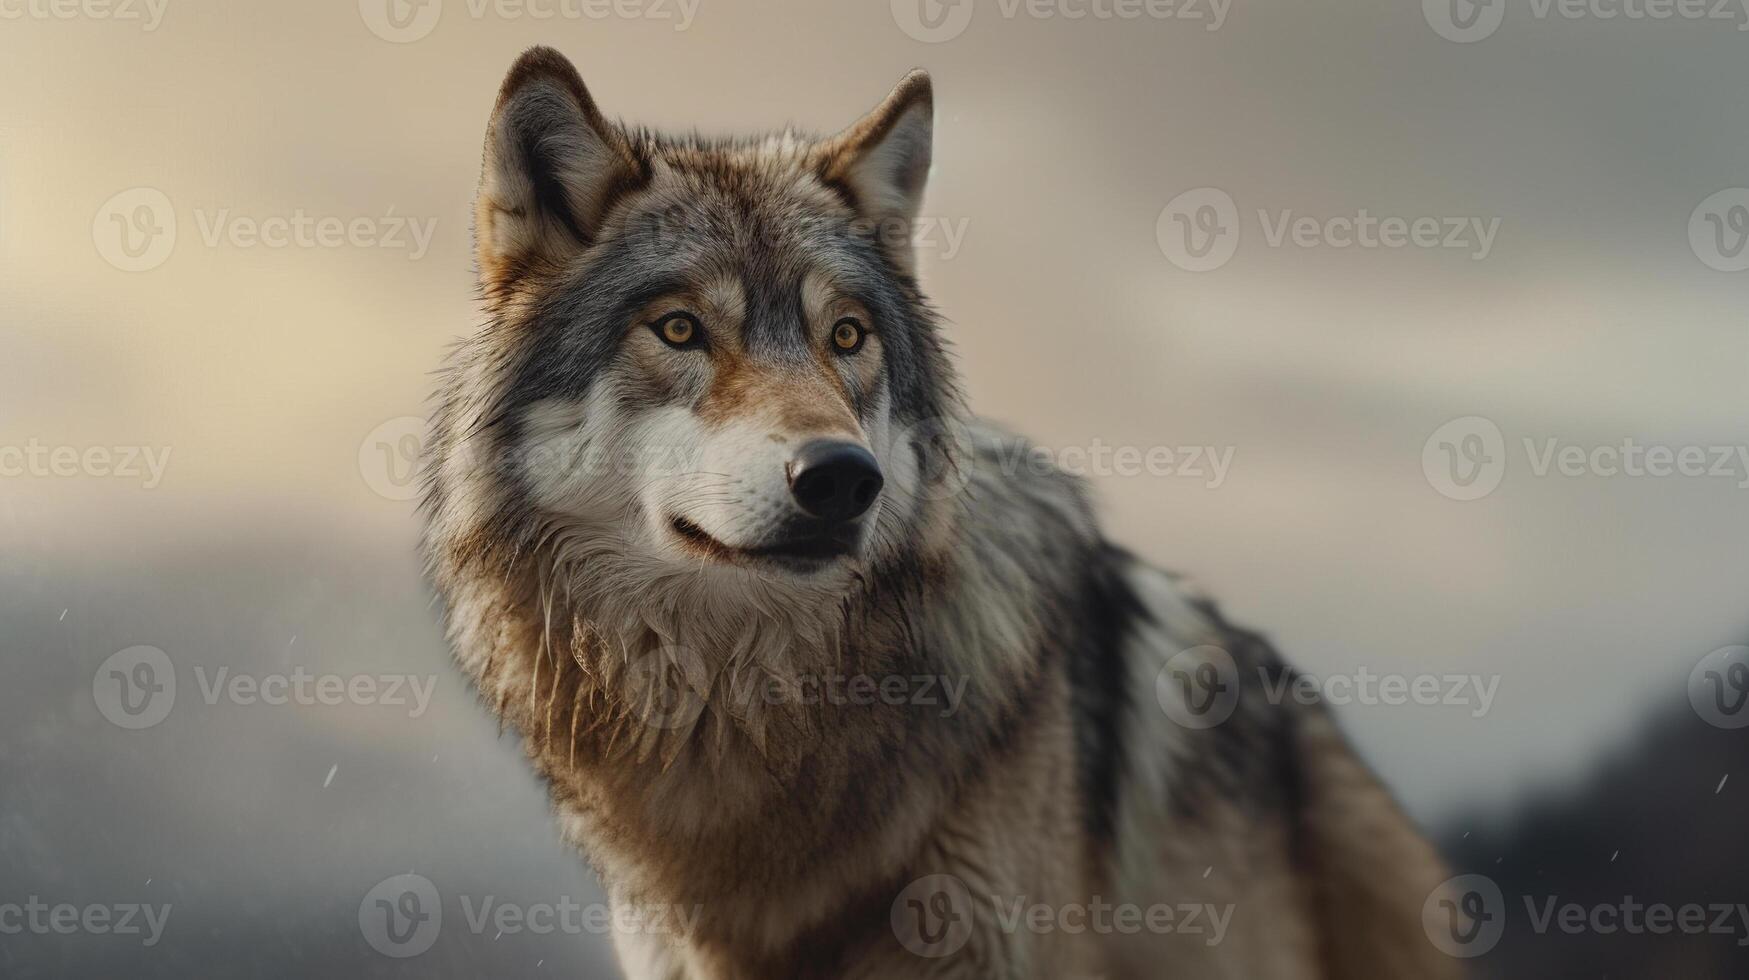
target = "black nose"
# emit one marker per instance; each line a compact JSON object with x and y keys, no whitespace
{"x":834,"y":481}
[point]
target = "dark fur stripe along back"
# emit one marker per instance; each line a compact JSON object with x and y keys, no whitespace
{"x":1106,"y":613}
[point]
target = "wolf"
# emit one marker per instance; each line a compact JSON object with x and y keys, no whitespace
{"x":797,"y":654}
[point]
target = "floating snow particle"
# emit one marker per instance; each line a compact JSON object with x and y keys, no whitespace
{"x":1721,"y":786}
{"x":1210,"y":870}
{"x":1612,"y":857}
{"x":63,"y":616}
{"x":331,"y":771}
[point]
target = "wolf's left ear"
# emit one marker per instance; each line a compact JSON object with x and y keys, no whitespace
{"x":883,"y":160}
{"x":553,"y":166}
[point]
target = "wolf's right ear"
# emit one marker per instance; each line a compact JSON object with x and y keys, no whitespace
{"x":883,"y":159}
{"x":552,"y":167}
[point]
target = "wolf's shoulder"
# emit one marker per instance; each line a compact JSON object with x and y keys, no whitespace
{"x":1013,"y":479}
{"x":1028,"y":512}
{"x":1013,"y":484}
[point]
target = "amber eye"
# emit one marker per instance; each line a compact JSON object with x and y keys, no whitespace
{"x":678,"y":330}
{"x":847,"y":335}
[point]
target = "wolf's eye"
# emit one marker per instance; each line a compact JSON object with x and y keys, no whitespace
{"x":678,"y":330}
{"x":848,"y":335}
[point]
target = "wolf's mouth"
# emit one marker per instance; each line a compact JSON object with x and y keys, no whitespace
{"x":804,"y":549}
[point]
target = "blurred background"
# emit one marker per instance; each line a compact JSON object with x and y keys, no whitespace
{"x":1438,"y":311}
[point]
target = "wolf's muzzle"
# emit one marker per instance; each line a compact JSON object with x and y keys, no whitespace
{"x":833,"y":480}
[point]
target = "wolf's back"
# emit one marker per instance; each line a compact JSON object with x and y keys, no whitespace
{"x":1241,"y":796}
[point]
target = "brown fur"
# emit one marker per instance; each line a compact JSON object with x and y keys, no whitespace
{"x":798,"y":401}
{"x":796,"y":826}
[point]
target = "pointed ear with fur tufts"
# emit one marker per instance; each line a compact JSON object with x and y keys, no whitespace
{"x":553,"y":166}
{"x":883,"y":160}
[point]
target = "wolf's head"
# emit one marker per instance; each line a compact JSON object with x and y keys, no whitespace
{"x":703,"y":358}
